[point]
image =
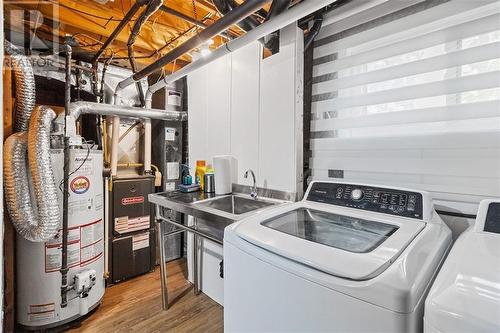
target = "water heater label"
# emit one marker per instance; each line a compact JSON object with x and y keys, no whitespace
{"x":53,"y":257}
{"x":91,"y":233}
{"x":37,"y":312}
{"x":80,"y":185}
{"x":91,"y":253}
{"x":85,"y":245}
{"x":92,"y":242}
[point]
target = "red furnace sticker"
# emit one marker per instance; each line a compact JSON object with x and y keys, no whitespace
{"x":132,"y":200}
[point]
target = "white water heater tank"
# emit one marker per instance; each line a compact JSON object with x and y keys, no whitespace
{"x":38,"y":278}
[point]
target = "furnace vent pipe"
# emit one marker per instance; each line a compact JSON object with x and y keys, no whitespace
{"x":25,"y":86}
{"x":147,"y":141}
{"x":291,"y":15}
{"x":40,"y":223}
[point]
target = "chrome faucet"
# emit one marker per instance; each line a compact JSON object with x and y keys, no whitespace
{"x":253,"y":193}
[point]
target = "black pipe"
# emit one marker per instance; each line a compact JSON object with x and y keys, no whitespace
{"x":150,"y":9}
{"x":272,"y":41}
{"x":313,"y":33}
{"x":156,"y":52}
{"x":226,"y":6}
{"x":126,"y":19}
{"x":27,"y":34}
{"x":277,"y":7}
{"x":223,"y":23}
{"x":78,"y":79}
{"x":189,"y":19}
{"x":95,"y":79}
{"x":104,"y":69}
{"x":182,"y":16}
{"x":64,"y":251}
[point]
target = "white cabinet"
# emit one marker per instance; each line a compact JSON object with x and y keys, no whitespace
{"x":245,"y":82}
{"x":250,"y":108}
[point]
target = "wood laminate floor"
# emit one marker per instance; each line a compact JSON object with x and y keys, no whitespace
{"x":135,"y":306}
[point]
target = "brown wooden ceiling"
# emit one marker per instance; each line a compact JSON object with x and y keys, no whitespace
{"x":90,"y":23}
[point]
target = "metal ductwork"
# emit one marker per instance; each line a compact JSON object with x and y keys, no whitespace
{"x":40,"y":222}
{"x":25,"y":86}
{"x":76,"y":109}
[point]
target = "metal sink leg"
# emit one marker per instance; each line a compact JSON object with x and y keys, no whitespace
{"x":196,"y":268}
{"x":163,"y":264}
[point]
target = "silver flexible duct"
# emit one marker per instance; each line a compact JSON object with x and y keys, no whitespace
{"x":25,"y":87}
{"x":43,"y":224}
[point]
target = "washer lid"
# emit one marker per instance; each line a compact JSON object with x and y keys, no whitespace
{"x":465,"y":296}
{"x":339,"y":241}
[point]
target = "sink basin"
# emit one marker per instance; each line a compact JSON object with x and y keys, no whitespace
{"x":235,"y":205}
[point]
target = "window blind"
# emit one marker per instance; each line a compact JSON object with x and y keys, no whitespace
{"x":410,"y":97}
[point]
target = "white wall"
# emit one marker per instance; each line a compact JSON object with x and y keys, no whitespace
{"x":251,"y":108}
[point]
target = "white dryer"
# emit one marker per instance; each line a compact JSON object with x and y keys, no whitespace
{"x":466,"y":294}
{"x":347,"y":258}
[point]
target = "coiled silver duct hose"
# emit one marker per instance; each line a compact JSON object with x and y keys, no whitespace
{"x":25,"y":87}
{"x":36,"y":217}
{"x":42,"y":224}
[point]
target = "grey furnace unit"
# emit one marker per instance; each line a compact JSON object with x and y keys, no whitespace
{"x":167,"y":156}
{"x":131,"y":237}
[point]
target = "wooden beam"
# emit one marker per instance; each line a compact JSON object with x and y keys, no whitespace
{"x":9,"y":236}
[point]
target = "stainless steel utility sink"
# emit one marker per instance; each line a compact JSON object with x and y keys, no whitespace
{"x":235,"y":205}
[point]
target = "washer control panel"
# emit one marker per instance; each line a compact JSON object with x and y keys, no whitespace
{"x":492,"y":223}
{"x":375,"y":199}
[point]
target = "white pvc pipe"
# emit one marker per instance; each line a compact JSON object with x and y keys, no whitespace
{"x":147,"y":141}
{"x":291,"y":15}
{"x":115,"y":139}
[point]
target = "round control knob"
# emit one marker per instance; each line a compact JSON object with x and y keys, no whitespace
{"x":357,"y":194}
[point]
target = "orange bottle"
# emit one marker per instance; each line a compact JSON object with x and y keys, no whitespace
{"x":199,"y":173}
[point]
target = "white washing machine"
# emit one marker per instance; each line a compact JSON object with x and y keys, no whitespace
{"x":466,"y":294}
{"x":347,"y":258}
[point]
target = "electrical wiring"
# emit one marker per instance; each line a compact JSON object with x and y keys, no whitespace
{"x":107,"y":19}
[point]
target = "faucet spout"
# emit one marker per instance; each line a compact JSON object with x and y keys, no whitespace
{"x":253,"y":192}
